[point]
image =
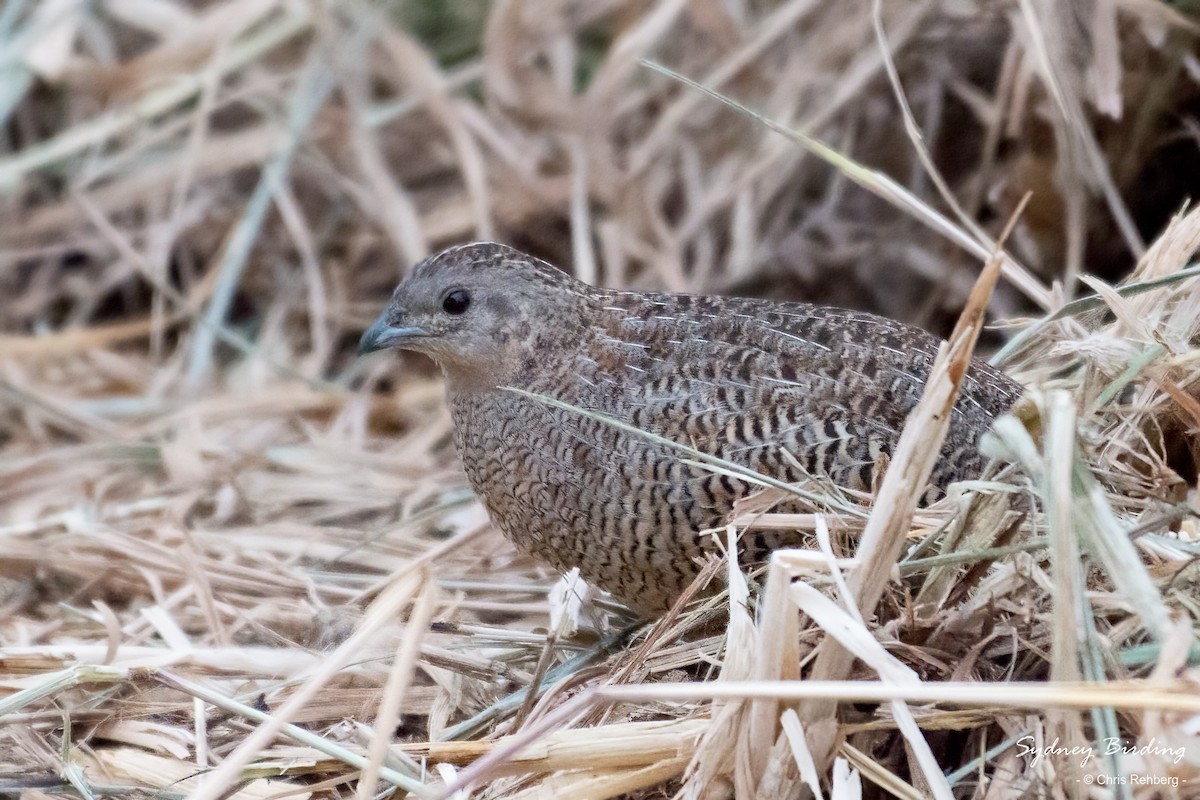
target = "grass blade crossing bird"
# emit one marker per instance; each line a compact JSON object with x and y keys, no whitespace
{"x":785,"y":389}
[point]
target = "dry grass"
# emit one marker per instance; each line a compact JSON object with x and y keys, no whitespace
{"x":234,"y":556}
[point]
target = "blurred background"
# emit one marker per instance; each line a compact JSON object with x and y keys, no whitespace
{"x":273,"y":167}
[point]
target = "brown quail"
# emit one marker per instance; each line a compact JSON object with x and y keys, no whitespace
{"x":781,"y":388}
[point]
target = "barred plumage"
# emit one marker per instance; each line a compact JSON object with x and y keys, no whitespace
{"x":744,"y":380}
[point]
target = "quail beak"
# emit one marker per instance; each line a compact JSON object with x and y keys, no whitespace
{"x":383,"y":335}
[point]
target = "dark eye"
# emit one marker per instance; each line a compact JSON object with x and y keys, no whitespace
{"x":457,"y":302}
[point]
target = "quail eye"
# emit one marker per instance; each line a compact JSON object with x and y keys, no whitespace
{"x":457,"y":302}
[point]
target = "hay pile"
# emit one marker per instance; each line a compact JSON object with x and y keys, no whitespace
{"x":234,"y":556}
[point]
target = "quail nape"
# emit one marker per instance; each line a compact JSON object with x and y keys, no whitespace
{"x":785,"y":389}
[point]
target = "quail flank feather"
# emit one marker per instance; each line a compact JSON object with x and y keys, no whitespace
{"x":785,"y":389}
